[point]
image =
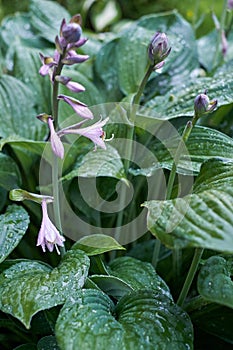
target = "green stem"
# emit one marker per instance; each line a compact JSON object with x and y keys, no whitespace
{"x":222,"y":27}
{"x":171,"y":180}
{"x":55,"y":165}
{"x":192,"y":271}
{"x":130,"y":137}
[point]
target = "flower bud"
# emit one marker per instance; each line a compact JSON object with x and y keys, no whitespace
{"x":71,"y":32}
{"x":202,"y":104}
{"x":158,"y":49}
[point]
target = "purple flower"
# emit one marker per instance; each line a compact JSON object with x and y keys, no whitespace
{"x":48,"y":64}
{"x":230,"y":4}
{"x":202,"y":104}
{"x":72,"y":58}
{"x":48,"y":235}
{"x":79,"y":107}
{"x":94,"y":132}
{"x":72,"y":86}
{"x":71,"y":32}
{"x":56,"y":144}
{"x":224,"y":43}
{"x":158,"y":49}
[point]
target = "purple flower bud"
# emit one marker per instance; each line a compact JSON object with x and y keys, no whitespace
{"x":79,"y":107}
{"x":202,"y":104}
{"x":158,"y":49}
{"x":71,"y":32}
{"x":94,"y":132}
{"x":56,"y":144}
{"x":72,"y":58}
{"x":230,"y":4}
{"x":48,"y":235}
{"x":72,"y":86}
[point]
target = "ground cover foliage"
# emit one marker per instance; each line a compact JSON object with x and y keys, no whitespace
{"x":151,"y":273}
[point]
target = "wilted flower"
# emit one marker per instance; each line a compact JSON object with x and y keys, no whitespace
{"x":48,"y":235}
{"x":203,"y":105}
{"x":158,"y":49}
{"x":79,"y":107}
{"x":94,"y":132}
{"x":71,"y":85}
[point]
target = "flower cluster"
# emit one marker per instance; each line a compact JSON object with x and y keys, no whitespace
{"x":67,"y":42}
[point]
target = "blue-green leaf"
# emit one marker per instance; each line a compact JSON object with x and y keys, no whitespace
{"x":30,"y":286}
{"x":13,"y":225}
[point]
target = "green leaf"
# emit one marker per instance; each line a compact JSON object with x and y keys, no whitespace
{"x":204,"y":143}
{"x":9,"y":173}
{"x":29,"y":287}
{"x":99,"y":163}
{"x":144,"y":320}
{"x":97,"y":244}
{"x":214,"y":280}
{"x":26,"y":68}
{"x":13,"y":225}
{"x":138,"y":274}
{"x":47,"y":343}
{"x":201,"y":219}
{"x":111,"y":285}
{"x":46,"y":17}
{"x":17,"y":112}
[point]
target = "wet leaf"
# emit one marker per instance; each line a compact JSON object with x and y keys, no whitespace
{"x":31,"y":286}
{"x":214,"y":280}
{"x":97,"y":244}
{"x":141,"y":320}
{"x":13,"y":225}
{"x":9,"y":173}
{"x":200,"y":219}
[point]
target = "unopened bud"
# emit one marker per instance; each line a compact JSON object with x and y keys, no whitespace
{"x":158,"y":49}
{"x":71,"y":32}
{"x":202,"y":104}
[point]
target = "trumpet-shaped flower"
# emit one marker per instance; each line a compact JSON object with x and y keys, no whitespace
{"x":48,"y":236}
{"x":47,"y":64}
{"x":79,"y":107}
{"x":56,"y":144}
{"x":94,"y":132}
{"x":71,"y":85}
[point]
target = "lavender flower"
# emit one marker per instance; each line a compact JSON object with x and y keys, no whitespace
{"x":79,"y":107}
{"x":72,"y":58}
{"x":94,"y":132}
{"x":71,"y":85}
{"x":48,"y":64}
{"x":48,"y":235}
{"x":224,"y":43}
{"x":230,"y":4}
{"x":202,"y":104}
{"x":56,"y":144}
{"x":158,"y":49}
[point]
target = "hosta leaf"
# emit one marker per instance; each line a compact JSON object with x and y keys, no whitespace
{"x":29,"y":287}
{"x":26,"y":68}
{"x":97,"y":244}
{"x":9,"y":173}
{"x":214,"y":280}
{"x":13,"y":225}
{"x":47,"y":343}
{"x":46,"y":17}
{"x":99,"y":163}
{"x":17,"y":112}
{"x":144,"y":320}
{"x":201,"y":219}
{"x":138,"y":274}
{"x":179,"y":102}
{"x":111,"y":285}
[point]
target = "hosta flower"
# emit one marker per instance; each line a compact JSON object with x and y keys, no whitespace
{"x":224,"y":43}
{"x":71,"y":85}
{"x":203,"y":105}
{"x":72,"y":58}
{"x":230,"y":4}
{"x":48,"y":237}
{"x":48,"y":64}
{"x":72,"y":31}
{"x":79,"y":107}
{"x":94,"y":132}
{"x":56,"y":144}
{"x":158,"y":49}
